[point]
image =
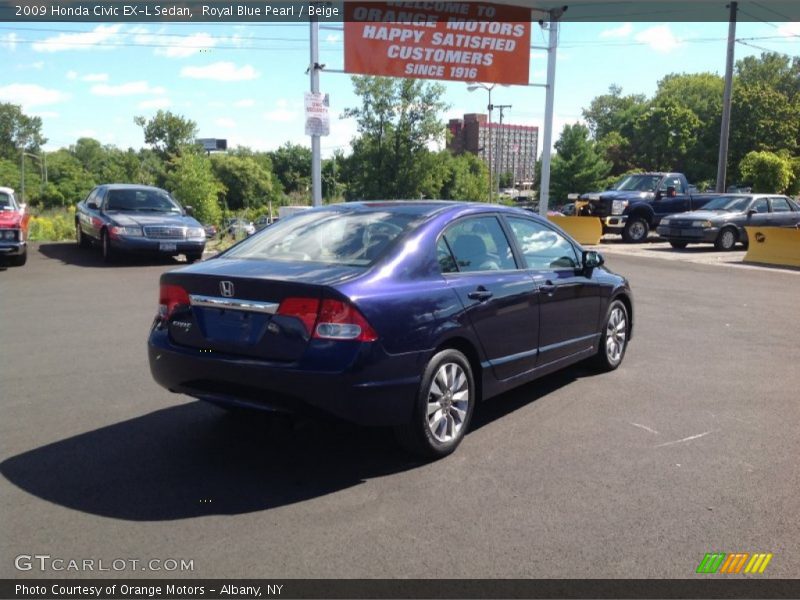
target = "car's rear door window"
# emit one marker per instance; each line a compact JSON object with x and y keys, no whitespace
{"x":780,"y":205}
{"x":479,"y":244}
{"x":542,"y":247}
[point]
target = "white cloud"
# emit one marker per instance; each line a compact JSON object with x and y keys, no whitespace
{"x":790,"y":29}
{"x":82,"y":133}
{"x":333,"y":38}
{"x":87,"y":40}
{"x":72,"y":75}
{"x":622,"y":31}
{"x":131,"y":88}
{"x":225,"y":123}
{"x":95,"y":77}
{"x":186,"y":47}
{"x":29,"y":94}
{"x":221,"y":71}
{"x":282,"y":113}
{"x":9,"y":41}
{"x":155,"y":103}
{"x":245,"y":103}
{"x":659,"y":38}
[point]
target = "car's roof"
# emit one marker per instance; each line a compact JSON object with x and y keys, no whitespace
{"x":7,"y":190}
{"x":130,"y":186}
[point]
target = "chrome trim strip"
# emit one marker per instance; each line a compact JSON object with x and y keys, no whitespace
{"x":234,"y":304}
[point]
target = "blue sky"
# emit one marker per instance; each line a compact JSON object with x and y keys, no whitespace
{"x":246,"y":82}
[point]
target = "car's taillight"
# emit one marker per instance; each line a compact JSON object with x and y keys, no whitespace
{"x":305,"y":309}
{"x":341,"y":321}
{"x":169,"y":298}
{"x":330,"y":320}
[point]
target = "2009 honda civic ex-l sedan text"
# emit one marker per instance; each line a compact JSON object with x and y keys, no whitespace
{"x":388,"y":313}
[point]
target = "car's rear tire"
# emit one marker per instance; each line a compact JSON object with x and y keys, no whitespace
{"x":80,"y":237}
{"x":678,"y":245}
{"x":614,"y":338}
{"x":726,"y":240}
{"x":636,"y":230}
{"x":105,"y":244}
{"x":443,"y":409}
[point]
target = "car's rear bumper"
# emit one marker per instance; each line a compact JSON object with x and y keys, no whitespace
{"x":143,"y":245}
{"x":375,"y":388}
{"x":8,"y":248}
{"x":690,"y":235}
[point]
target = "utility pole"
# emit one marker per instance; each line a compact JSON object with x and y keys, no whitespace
{"x":316,"y":149}
{"x":500,"y":133}
{"x":552,"y":25}
{"x":722,"y":161}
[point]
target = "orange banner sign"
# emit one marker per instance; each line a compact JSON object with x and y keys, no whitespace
{"x":460,"y":41}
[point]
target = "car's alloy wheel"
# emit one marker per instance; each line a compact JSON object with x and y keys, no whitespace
{"x":444,"y":406}
{"x":726,"y":240}
{"x":614,"y":338}
{"x":635,"y":231}
{"x":448,"y":402}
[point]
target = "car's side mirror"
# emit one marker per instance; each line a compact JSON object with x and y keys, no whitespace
{"x":189,"y":211}
{"x":592,"y":259}
{"x":751,"y":212}
{"x":658,"y":195}
{"x":92,"y":206}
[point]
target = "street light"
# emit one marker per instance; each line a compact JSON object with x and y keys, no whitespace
{"x":482,"y":86}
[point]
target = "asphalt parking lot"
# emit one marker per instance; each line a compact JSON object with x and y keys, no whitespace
{"x":690,"y":447}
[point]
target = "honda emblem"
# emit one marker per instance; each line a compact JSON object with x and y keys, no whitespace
{"x":226,"y":289}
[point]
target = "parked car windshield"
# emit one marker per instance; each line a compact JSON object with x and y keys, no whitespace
{"x":353,"y":238}
{"x":637,"y":183}
{"x":6,"y":202}
{"x":141,"y":200}
{"x":728,"y":203}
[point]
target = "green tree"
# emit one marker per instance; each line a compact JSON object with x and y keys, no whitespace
{"x":768,"y":172}
{"x":167,"y":132}
{"x":247,"y":183}
{"x":665,"y":135}
{"x":71,"y":181}
{"x":701,"y":93}
{"x":291,"y":164}
{"x":468,"y":177}
{"x":397,"y":120}
{"x":18,"y":131}
{"x":191,"y":180}
{"x":577,"y":166}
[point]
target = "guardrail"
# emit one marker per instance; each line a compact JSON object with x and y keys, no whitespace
{"x":585,"y":230}
{"x":773,"y":246}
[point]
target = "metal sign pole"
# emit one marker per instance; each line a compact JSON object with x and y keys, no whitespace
{"x":544,"y":193}
{"x":316,"y":149}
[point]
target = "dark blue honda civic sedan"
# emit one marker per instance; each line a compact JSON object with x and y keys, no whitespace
{"x":401,"y":314}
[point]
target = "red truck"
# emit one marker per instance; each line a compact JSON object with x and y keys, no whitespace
{"x":13,"y":229}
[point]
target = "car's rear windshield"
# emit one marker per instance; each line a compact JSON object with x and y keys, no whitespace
{"x":352,"y":237}
{"x":141,"y":200}
{"x":730,"y":203}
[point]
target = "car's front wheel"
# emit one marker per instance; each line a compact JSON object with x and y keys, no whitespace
{"x":614,"y":337}
{"x":678,"y":245}
{"x":80,"y":237}
{"x":726,"y":240}
{"x":194,"y":257}
{"x":105,"y":244}
{"x":636,"y":230}
{"x":444,"y":406}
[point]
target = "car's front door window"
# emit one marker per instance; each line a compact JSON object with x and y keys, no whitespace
{"x":542,"y":247}
{"x":479,"y":244}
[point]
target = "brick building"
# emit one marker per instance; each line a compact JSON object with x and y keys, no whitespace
{"x":514,"y":147}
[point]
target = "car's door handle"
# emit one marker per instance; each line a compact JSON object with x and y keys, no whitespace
{"x":481,"y":294}
{"x":547,"y":287}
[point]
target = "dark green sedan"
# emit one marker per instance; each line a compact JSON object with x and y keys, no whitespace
{"x":722,"y":221}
